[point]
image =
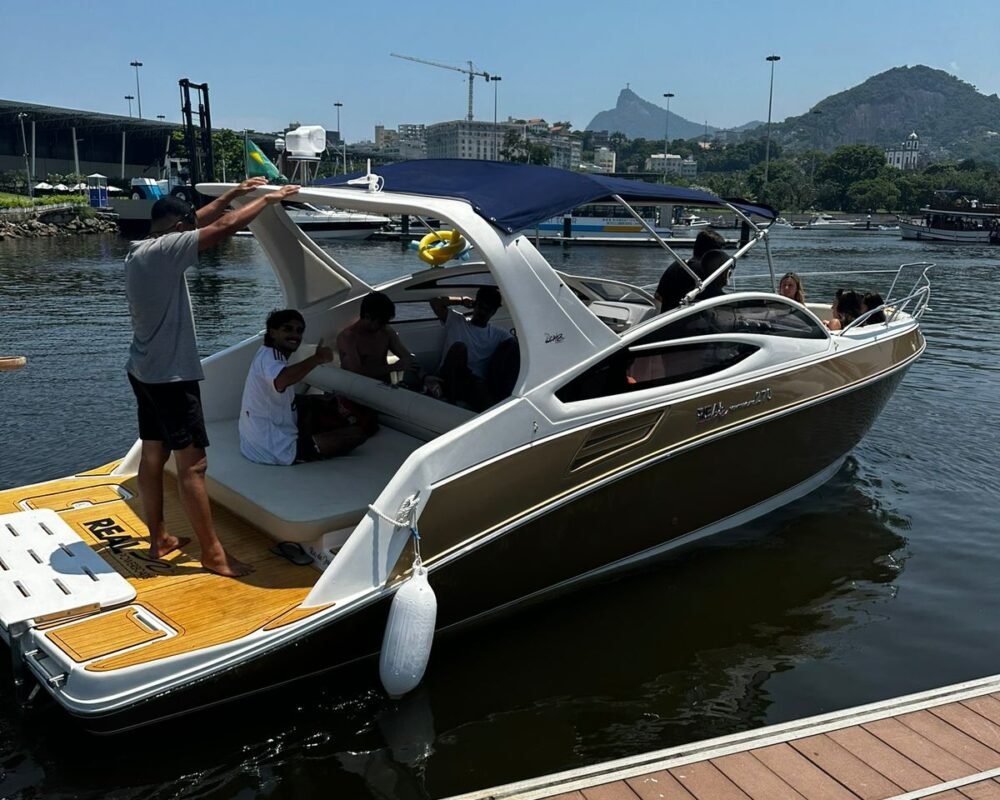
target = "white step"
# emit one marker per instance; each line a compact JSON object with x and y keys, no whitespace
{"x":48,"y":571}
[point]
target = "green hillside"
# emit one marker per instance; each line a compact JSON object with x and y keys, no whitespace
{"x":953,"y":120}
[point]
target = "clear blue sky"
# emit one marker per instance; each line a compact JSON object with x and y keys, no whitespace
{"x":269,"y":63}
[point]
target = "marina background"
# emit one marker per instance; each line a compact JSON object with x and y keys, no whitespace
{"x":882,"y":582}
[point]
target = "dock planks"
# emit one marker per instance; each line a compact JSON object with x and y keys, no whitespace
{"x":942,"y":745}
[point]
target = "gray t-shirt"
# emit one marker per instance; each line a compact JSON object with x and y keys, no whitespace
{"x":163,"y":348}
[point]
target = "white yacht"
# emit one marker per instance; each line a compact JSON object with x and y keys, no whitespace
{"x":610,"y":449}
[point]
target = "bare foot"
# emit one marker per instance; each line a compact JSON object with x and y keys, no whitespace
{"x":166,"y":545}
{"x":227,"y":566}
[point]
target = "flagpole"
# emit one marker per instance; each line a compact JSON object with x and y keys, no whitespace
{"x":246,"y":166}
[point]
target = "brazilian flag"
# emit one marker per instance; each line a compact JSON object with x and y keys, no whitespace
{"x":258,"y":164}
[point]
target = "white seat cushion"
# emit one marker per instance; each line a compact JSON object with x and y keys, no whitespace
{"x":300,"y":503}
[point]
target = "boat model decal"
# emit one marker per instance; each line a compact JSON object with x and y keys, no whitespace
{"x":126,"y":547}
{"x":720,"y":410}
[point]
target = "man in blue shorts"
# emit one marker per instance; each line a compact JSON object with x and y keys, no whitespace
{"x":164,"y":368}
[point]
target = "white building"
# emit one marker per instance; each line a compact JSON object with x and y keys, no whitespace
{"x":673,"y":164}
{"x":404,"y":144}
{"x":605,"y":159}
{"x":465,"y":139}
{"x":905,"y":155}
{"x":566,"y":150}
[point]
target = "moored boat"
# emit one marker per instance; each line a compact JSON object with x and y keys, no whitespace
{"x":618,"y":412}
{"x":957,"y":226}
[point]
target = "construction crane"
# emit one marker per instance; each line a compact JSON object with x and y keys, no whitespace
{"x":471,"y":72}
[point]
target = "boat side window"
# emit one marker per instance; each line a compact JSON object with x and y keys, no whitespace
{"x":750,"y":315}
{"x":629,"y":371}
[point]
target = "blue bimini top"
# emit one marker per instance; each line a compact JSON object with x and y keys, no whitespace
{"x":514,"y":197}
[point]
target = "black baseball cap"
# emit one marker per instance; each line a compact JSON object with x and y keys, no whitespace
{"x":172,"y":207}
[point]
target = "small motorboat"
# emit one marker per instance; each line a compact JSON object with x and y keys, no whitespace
{"x":610,"y":449}
{"x":8,"y":363}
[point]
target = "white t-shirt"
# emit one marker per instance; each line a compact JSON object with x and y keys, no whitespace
{"x":480,"y":342}
{"x":268,"y":425}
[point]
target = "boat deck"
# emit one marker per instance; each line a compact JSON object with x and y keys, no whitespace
{"x":203,"y":609}
{"x":942,"y":744}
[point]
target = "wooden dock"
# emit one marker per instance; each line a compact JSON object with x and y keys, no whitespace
{"x":942,"y":744}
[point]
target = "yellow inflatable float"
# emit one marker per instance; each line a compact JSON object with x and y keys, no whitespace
{"x":439,"y":247}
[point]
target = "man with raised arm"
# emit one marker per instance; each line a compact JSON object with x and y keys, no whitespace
{"x":164,"y":368}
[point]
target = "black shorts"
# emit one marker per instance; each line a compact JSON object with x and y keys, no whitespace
{"x":170,"y":413}
{"x":306,"y":449}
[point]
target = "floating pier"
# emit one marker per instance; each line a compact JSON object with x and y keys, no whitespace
{"x":942,"y":744}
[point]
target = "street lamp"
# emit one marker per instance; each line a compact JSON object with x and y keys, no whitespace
{"x":138,"y":94}
{"x":770,"y":96}
{"x":24,"y":140}
{"x":496,"y":147}
{"x":130,"y":98}
{"x":340,"y":138}
{"x":666,"y":136}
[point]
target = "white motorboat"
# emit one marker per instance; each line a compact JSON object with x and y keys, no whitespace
{"x":608,"y":451}
{"x":332,"y":223}
{"x":830,"y":224}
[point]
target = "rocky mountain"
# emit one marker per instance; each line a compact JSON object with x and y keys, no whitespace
{"x":951,"y":117}
{"x":638,"y":118}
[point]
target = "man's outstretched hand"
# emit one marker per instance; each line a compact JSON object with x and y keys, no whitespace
{"x":281,"y":194}
{"x":249,"y":185}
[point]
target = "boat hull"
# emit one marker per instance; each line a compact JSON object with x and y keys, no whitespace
{"x":666,"y":503}
{"x":339,"y":230}
{"x":908,"y":230}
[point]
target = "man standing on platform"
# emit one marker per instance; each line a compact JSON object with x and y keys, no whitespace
{"x":164,"y":368}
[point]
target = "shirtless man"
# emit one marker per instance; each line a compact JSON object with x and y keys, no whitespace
{"x":365,"y":345}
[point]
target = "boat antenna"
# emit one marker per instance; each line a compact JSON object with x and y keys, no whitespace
{"x":370,"y":179}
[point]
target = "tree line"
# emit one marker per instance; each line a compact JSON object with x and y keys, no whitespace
{"x":852,"y":178}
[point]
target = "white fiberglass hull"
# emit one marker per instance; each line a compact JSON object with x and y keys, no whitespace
{"x":909,"y":230}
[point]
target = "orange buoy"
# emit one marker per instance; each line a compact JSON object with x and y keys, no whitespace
{"x":12,"y":362}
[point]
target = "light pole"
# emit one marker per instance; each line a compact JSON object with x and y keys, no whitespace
{"x":770,"y":96}
{"x":24,"y":140}
{"x":666,"y":136}
{"x":496,"y":146}
{"x":130,"y":98}
{"x":76,"y":154}
{"x":138,"y":94}
{"x":343,"y":150}
{"x":812,"y":177}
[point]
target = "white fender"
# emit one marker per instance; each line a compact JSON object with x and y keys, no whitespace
{"x":409,"y":634}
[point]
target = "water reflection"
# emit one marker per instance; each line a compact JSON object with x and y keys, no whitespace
{"x":682,"y":649}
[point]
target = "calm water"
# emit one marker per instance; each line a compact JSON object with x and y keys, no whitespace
{"x":883,"y":582}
